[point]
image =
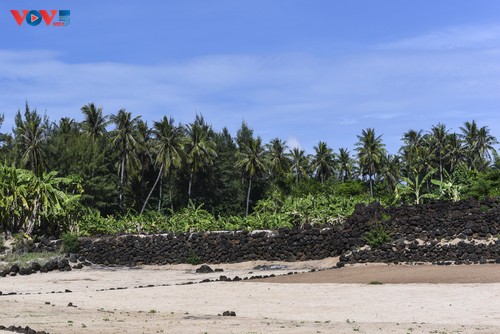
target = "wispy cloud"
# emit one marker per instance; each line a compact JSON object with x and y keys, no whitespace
{"x":458,"y":37}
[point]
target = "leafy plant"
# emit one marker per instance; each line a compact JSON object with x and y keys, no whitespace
{"x":70,"y":243}
{"x":193,"y":259}
{"x":377,"y":236}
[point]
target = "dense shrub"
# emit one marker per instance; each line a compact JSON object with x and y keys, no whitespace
{"x":377,"y":236}
{"x":70,"y":243}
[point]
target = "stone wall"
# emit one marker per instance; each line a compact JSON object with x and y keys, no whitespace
{"x":422,"y":233}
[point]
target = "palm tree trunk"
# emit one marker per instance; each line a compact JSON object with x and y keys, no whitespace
{"x":371,"y":185}
{"x":440,"y":168}
{"x":248,"y":195}
{"x":170,"y":188}
{"x":160,"y":197}
{"x":190,"y":183}
{"x":122,"y":176}
{"x":151,"y":191}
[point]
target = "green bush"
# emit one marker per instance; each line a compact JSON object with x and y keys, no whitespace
{"x":70,"y":243}
{"x":193,"y":259}
{"x":2,"y":243}
{"x":377,"y":236}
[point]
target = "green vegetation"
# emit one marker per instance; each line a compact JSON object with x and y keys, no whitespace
{"x":110,"y":174}
{"x":25,"y":259}
{"x":70,"y":243}
{"x":193,"y":259}
{"x":377,"y":236}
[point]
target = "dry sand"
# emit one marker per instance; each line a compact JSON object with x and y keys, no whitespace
{"x":436,"y":299}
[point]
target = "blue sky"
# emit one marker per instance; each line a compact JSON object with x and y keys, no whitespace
{"x":303,"y":70}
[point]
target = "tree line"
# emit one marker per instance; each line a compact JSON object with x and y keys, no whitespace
{"x":118,"y":163}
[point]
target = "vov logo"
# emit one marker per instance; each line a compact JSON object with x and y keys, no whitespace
{"x":35,"y":17}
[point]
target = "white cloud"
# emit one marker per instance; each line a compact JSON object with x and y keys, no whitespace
{"x":470,"y":36}
{"x":293,"y":142}
{"x":290,"y":95}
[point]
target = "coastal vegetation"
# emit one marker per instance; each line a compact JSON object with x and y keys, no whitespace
{"x":106,"y":174}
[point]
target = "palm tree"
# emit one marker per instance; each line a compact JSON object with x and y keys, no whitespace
{"x":94,"y":124}
{"x":200,"y":148}
{"x":391,"y":170}
{"x":278,"y":160}
{"x":411,"y":151}
{"x":252,"y":160}
{"x":370,"y":154}
{"x":125,"y":139}
{"x":299,"y":163}
{"x":345,"y":164}
{"x":484,"y":146}
{"x":66,"y":126}
{"x":31,"y":137}
{"x":323,"y":162}
{"x":168,"y":146}
{"x":439,"y":134}
{"x":455,"y":151}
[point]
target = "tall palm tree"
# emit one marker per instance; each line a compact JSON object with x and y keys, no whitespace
{"x":390,"y":170}
{"x":168,"y":146}
{"x":278,"y":159}
{"x":94,"y":124}
{"x":484,"y":147}
{"x":478,"y":143}
{"x":299,"y":163}
{"x":200,"y":148}
{"x":411,"y":151}
{"x":371,"y":151}
{"x":66,"y":126}
{"x":455,"y":151}
{"x":125,"y":139}
{"x":438,"y":141}
{"x":469,"y":136}
{"x":323,"y":162}
{"x":30,"y":136}
{"x":252,"y":160}
{"x":345,"y":164}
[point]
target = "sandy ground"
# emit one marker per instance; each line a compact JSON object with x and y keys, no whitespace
{"x":436,"y":299}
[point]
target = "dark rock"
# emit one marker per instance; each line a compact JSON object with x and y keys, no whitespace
{"x":204,"y":269}
{"x":14,"y":269}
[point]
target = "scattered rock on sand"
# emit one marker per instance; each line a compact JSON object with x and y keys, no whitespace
{"x":204,"y":269}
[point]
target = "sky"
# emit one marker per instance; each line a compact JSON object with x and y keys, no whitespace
{"x":300,"y":70}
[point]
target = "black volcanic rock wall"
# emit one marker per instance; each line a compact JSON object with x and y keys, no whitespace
{"x":433,"y":224}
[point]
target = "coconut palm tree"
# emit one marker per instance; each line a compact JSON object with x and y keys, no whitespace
{"x":438,"y":142}
{"x":345,"y":164}
{"x":299,"y":163}
{"x":169,"y":149}
{"x":478,"y":143}
{"x":252,"y":160}
{"x":94,"y":124}
{"x":125,"y":139}
{"x":323,"y":161}
{"x":484,"y":147}
{"x":278,"y":160}
{"x":30,"y":136}
{"x":455,"y":151}
{"x":411,"y":151}
{"x":200,"y":148}
{"x":370,"y":154}
{"x":390,"y":170}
